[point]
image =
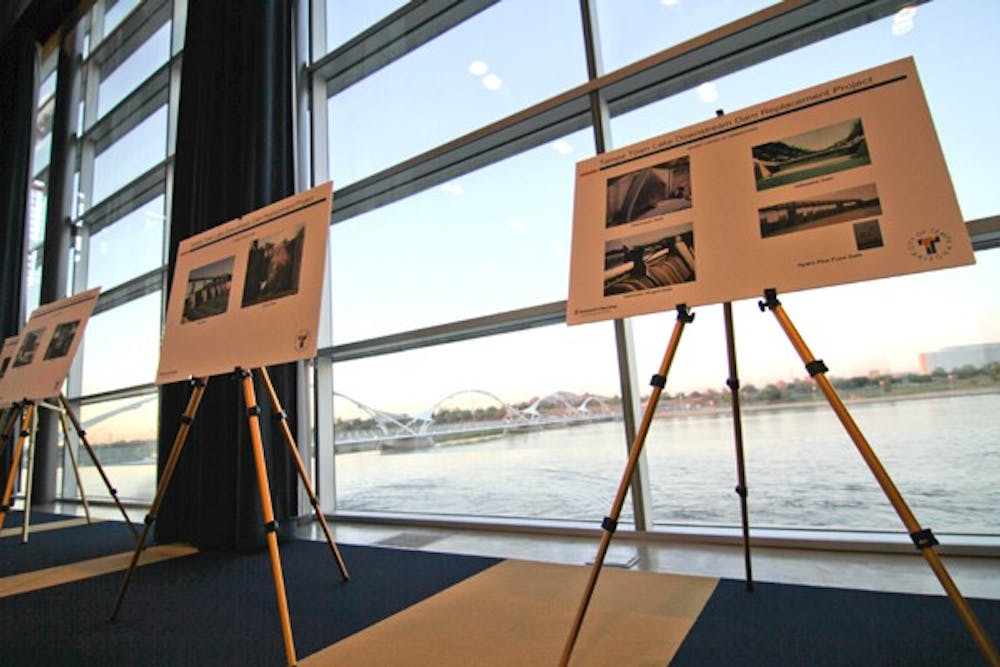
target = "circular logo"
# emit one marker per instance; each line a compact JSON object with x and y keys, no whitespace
{"x":930,"y":244}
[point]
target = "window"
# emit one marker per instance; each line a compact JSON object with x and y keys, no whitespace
{"x":467,"y":77}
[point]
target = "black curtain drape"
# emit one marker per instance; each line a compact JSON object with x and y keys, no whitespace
{"x":17,"y":105}
{"x":234,"y":155}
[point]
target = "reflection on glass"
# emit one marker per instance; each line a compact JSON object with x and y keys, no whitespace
{"x":122,"y":433}
{"x":133,"y":70}
{"x":469,"y":76}
{"x":913,"y":381}
{"x":518,"y":425}
{"x":128,"y":248}
{"x":493,"y":240}
{"x":950,"y":51}
{"x":630,"y":31}
{"x":142,"y":148}
{"x":121,"y":346}
{"x":345,"y":19}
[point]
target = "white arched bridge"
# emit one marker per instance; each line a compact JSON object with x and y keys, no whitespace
{"x":492,"y":418}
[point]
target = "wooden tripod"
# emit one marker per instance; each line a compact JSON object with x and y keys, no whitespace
{"x":29,"y":427}
{"x":610,"y":523}
{"x":923,"y":538}
{"x":253,"y":416}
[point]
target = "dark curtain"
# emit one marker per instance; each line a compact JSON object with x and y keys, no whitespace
{"x":17,"y":103}
{"x":234,"y":155}
{"x":17,"y":80}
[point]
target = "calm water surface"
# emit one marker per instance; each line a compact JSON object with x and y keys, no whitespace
{"x":943,"y":454}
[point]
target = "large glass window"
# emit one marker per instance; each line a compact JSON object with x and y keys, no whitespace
{"x":122,"y":433}
{"x":519,"y":425}
{"x":493,"y":240}
{"x":123,"y":79}
{"x":631,"y":31}
{"x":127,"y":248}
{"x":140,"y":149}
{"x":915,"y":357}
{"x":470,"y":76}
{"x":345,"y":18}
{"x":122,"y":346}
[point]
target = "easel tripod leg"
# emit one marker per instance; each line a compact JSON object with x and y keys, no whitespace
{"x":922,"y":538}
{"x":741,"y":477}
{"x":610,"y":523}
{"x":30,"y":477}
{"x":76,"y":468}
{"x":253,"y":414}
{"x":82,"y":436}
{"x":303,"y":474}
{"x":161,"y":489}
{"x":27,"y":413}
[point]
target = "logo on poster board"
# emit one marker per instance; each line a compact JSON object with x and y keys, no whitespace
{"x":930,"y":244}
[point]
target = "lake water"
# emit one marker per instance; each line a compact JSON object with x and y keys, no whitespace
{"x":943,"y":454}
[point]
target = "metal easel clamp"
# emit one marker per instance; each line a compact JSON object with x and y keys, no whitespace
{"x":924,"y":539}
{"x":609,"y":524}
{"x":815,"y":367}
{"x":770,"y":299}
{"x":683,"y":314}
{"x":658,"y":381}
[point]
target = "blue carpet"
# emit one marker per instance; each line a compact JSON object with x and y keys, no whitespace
{"x":62,"y":546}
{"x":780,"y":624}
{"x":218,"y":608}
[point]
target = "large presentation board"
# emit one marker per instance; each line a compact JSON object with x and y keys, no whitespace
{"x":36,"y":362}
{"x":838,"y":183}
{"x":247,"y":293}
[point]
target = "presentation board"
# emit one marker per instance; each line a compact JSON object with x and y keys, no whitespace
{"x":839,"y":183}
{"x":41,"y":355}
{"x":247,"y":293}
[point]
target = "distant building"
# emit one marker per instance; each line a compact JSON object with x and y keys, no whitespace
{"x":950,"y":358}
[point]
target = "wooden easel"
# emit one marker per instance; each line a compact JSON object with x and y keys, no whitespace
{"x":253,"y":416}
{"x":923,"y":539}
{"x":28,"y":412}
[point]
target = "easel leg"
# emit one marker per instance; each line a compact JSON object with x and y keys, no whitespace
{"x":76,"y":468}
{"x":610,"y":523}
{"x":741,"y":476}
{"x":82,"y":437}
{"x":300,"y":466}
{"x":27,"y":413}
{"x":30,"y":481}
{"x":168,"y":471}
{"x":253,"y":414}
{"x":922,"y":538}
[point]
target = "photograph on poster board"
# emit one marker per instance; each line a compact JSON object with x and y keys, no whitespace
{"x":830,"y":208}
{"x":868,"y":235}
{"x":273,"y":267}
{"x":838,"y":183}
{"x":649,"y":260}
{"x":649,"y":192}
{"x":62,"y":339}
{"x":208,"y":290}
{"x":247,"y":293}
{"x":7,"y":355}
{"x":812,"y":154}
{"x":29,"y":345}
